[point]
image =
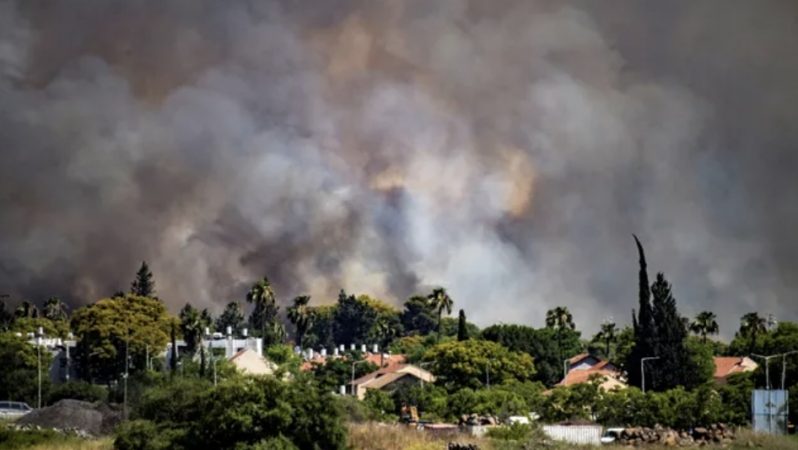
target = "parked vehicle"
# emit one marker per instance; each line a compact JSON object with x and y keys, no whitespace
{"x":611,"y":435}
{"x":14,"y":409}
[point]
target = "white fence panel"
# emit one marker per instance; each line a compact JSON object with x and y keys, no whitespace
{"x":575,"y":434}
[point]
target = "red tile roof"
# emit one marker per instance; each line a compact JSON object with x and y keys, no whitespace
{"x":729,"y":365}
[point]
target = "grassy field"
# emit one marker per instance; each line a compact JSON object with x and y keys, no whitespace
{"x":386,"y":437}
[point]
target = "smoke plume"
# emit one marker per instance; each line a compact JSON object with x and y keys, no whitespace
{"x":505,"y":150}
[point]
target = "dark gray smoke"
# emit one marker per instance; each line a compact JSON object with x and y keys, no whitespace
{"x":505,"y":150}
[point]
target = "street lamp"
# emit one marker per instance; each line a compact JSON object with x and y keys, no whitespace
{"x":784,"y":367}
{"x":643,"y":371}
{"x":767,"y":366}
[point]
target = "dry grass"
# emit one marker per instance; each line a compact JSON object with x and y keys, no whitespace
{"x":375,"y":436}
{"x":93,"y":444}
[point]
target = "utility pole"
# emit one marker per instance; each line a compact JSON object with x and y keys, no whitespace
{"x":124,"y":377}
{"x":643,"y":371}
{"x":767,"y":366}
{"x":39,"y":333}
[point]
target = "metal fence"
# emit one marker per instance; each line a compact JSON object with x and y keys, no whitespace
{"x":574,"y":434}
{"x":769,"y":410}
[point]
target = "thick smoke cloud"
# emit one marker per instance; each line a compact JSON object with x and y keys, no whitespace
{"x":504,"y":150}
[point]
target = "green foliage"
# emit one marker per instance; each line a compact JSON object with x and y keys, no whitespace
{"x":12,"y":439}
{"x":77,"y":390}
{"x":473,"y":363}
{"x":192,"y":326}
{"x":359,"y":320}
{"x":462,"y":330}
{"x":245,"y":411}
{"x":300,"y":315}
{"x":19,"y":370}
{"x":419,"y":316}
{"x":143,"y":285}
{"x":380,"y":403}
{"x":705,"y":324}
{"x":513,"y":432}
{"x":273,"y":443}
{"x":55,"y":310}
{"x":263,"y":320}
{"x":541,"y":344}
{"x":232,"y":316}
{"x":50,"y":328}
{"x":320,"y":333}
{"x":103,"y":328}
{"x":440,"y":301}
{"x":338,"y":371}
{"x":430,"y":400}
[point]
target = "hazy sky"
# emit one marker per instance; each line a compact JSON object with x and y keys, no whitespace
{"x":506,"y":150}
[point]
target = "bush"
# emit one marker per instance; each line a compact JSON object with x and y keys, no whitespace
{"x":512,"y":432}
{"x":380,"y":403}
{"x":353,"y":410}
{"x":246,"y":411}
{"x":19,"y":439}
{"x":77,"y":390}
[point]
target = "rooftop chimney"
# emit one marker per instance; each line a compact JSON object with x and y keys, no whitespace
{"x":352,"y":347}
{"x":245,"y":332}
{"x":362,"y":348}
{"x":229,"y":331}
{"x":335,"y":351}
{"x":375,"y":349}
{"x":324,"y":353}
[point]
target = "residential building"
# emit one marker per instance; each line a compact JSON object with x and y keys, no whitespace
{"x":391,"y":377}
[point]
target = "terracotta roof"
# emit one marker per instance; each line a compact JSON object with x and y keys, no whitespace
{"x":577,"y":358}
{"x":729,"y":365}
{"x":583,"y":376}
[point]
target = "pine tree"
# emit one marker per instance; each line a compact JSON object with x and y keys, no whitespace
{"x":462,"y":331}
{"x":143,"y":285}
{"x":643,"y":323}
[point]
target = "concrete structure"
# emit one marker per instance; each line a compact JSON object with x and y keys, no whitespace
{"x":62,"y":351}
{"x":389,"y":378}
{"x":574,"y":434}
{"x":726,"y":366}
{"x":249,"y":362}
{"x":219,"y":344}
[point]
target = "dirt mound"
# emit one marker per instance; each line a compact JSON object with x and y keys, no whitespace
{"x":93,"y":419}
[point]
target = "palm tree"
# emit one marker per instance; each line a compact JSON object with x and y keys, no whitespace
{"x":441,"y":301}
{"x":26,"y":309}
{"x":705,"y":323}
{"x":383,"y":332}
{"x":301,"y":316}
{"x":751,"y":326}
{"x":55,"y":309}
{"x":262,"y":296}
{"x":192,"y":327}
{"x":607,"y":335}
{"x":560,"y":318}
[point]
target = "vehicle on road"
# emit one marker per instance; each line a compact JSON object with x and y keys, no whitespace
{"x":12,"y":410}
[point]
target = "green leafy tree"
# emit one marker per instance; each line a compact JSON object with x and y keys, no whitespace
{"x":354,"y":318}
{"x":477,"y":363}
{"x":55,"y":309}
{"x":50,"y":328}
{"x":301,"y":316}
{"x":336,"y":372}
{"x":560,"y":320}
{"x":321,"y":331}
{"x":462,"y":329}
{"x":19,"y":370}
{"x":385,"y":329}
{"x":418,"y":316}
{"x":264,"y":320}
{"x":26,"y":309}
{"x":542,"y":344}
{"x":705,"y":324}
{"x":105,"y":327}
{"x":440,"y":301}
{"x":5,"y":315}
{"x":143,"y":285}
{"x":232,"y":316}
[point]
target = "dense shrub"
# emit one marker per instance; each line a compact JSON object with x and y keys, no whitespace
{"x":77,"y":390}
{"x":239,"y":413}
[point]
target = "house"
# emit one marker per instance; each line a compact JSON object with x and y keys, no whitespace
{"x":390,"y":377}
{"x":250,"y":362}
{"x":585,"y":368}
{"x":726,"y":366}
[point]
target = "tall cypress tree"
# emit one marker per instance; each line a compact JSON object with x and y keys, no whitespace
{"x":462,"y":331}
{"x":643,"y":324}
{"x":143,"y":285}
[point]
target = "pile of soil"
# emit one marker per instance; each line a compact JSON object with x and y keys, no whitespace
{"x":90,"y":418}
